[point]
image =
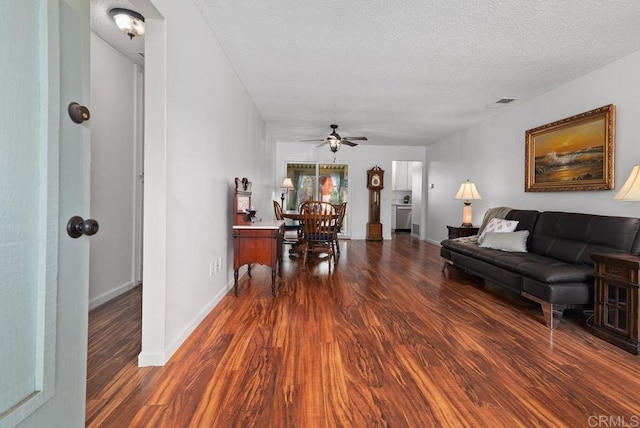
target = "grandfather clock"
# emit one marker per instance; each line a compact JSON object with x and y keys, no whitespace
{"x":375,"y":183}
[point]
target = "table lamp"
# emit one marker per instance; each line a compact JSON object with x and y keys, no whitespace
{"x":287,"y":184}
{"x":467,"y":192}
{"x":631,"y":189}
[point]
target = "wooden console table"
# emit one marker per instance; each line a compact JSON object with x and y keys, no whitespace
{"x":616,"y":300}
{"x":461,"y":231}
{"x":259,"y":242}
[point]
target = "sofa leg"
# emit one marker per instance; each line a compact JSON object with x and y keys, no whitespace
{"x":446,"y":263}
{"x":552,"y":313}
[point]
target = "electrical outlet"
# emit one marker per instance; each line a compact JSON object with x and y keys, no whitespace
{"x":219,"y":264}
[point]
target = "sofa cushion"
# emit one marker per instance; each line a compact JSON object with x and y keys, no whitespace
{"x":574,"y":293}
{"x":571,"y":237}
{"x":526,"y":219}
{"x":489,"y":271}
{"x":540,"y":268}
{"x":510,"y":241}
{"x":550,"y":270}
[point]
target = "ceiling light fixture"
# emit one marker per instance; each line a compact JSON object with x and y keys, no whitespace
{"x":130,"y":22}
{"x":334,"y":144}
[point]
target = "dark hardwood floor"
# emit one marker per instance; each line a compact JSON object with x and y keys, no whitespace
{"x":386,"y":339}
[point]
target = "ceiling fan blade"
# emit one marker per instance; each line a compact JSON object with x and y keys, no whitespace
{"x":348,"y":143}
{"x":320,"y":145}
{"x":355,"y":138}
{"x":322,"y":139}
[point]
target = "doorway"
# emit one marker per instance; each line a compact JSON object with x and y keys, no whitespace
{"x":407,"y":201}
{"x":117,"y":161}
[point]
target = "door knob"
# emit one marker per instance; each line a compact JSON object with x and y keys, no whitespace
{"x":77,"y":226}
{"x":78,"y":113}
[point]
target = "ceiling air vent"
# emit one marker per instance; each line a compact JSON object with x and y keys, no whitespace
{"x":501,"y":103}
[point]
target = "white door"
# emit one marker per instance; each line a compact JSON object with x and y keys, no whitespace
{"x":44,"y":170}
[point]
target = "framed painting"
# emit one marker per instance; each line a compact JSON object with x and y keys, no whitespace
{"x":572,"y":154}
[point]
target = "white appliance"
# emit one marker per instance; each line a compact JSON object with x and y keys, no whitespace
{"x":403,"y":217}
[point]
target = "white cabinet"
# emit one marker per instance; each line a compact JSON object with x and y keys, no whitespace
{"x":402,"y":177}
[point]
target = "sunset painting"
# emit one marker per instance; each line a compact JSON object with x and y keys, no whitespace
{"x":572,"y":154}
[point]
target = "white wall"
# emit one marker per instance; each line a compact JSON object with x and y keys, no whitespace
{"x":492,"y":153}
{"x":201,"y":131}
{"x":113,"y":103}
{"x":360,"y":159}
{"x":417,"y":208}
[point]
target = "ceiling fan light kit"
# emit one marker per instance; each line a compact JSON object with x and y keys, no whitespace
{"x":334,"y":140}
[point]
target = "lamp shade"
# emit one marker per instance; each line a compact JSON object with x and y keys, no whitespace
{"x":468,"y":191}
{"x":287,"y":183}
{"x":631,"y":189}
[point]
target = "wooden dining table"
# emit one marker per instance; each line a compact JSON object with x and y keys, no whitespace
{"x":297,"y":248}
{"x":294,"y":215}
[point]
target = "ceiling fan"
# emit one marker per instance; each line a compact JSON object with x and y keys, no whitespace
{"x":334,"y":140}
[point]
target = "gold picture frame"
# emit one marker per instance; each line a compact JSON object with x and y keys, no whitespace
{"x":572,"y":154}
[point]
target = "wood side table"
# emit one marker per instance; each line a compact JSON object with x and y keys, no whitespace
{"x":261,"y":243}
{"x":616,"y":299}
{"x":461,"y":231}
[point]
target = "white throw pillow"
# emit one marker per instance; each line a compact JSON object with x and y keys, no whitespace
{"x":512,"y":241}
{"x":498,"y":225}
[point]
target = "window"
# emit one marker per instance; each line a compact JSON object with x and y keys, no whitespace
{"x":318,"y":181}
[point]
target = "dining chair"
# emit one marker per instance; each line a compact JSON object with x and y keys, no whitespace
{"x":318,"y":224}
{"x":341,"y":211}
{"x":289,"y":238}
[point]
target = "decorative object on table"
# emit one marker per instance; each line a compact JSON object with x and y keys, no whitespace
{"x":576,"y":153}
{"x":287,"y":184}
{"x":406,"y":199}
{"x":467,"y":192}
{"x":375,"y":184}
{"x":244,"y":211}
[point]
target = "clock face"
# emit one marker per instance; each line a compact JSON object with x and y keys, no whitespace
{"x":374,"y":179}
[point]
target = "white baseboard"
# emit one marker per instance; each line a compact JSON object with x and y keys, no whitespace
{"x":161,"y":358}
{"x":105,"y":297}
{"x":146,"y":359}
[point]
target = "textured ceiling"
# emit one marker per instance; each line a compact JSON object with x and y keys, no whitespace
{"x":409,"y":72}
{"x":104,"y":27}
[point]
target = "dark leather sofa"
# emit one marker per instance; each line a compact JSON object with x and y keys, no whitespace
{"x":556,"y":271}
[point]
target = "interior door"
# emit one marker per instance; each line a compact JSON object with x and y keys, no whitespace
{"x":44,"y":166}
